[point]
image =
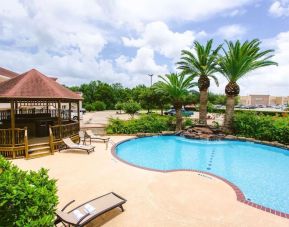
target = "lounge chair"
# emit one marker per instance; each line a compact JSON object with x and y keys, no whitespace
{"x":71,"y":145}
{"x":92,"y":137}
{"x":90,"y":210}
{"x":82,"y":137}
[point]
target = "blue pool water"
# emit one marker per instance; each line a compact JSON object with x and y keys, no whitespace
{"x":260,"y":171}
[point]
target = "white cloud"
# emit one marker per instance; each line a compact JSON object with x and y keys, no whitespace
{"x":231,"y":31}
{"x":280,"y":8}
{"x":160,"y":38}
{"x":168,"y":10}
{"x":142,"y":64}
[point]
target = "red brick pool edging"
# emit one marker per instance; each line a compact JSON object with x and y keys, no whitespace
{"x":240,"y":195}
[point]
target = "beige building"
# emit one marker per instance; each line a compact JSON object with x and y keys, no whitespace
{"x":265,"y":100}
{"x":6,"y":74}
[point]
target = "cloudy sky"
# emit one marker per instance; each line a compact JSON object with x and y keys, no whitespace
{"x":124,"y":40}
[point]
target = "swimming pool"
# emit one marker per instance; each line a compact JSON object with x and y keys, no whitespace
{"x":261,"y":172}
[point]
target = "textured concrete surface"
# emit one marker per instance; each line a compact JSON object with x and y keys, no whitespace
{"x":154,"y":199}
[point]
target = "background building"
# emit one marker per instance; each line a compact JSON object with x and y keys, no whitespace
{"x":266,"y":100}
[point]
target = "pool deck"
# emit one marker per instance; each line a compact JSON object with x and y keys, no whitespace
{"x":157,"y":199}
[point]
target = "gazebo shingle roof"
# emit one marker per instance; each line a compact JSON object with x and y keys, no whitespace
{"x":35,"y":85}
{"x":7,"y":73}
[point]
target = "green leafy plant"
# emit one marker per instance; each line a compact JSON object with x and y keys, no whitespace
{"x":131,"y":107}
{"x":26,"y":198}
{"x":119,"y":106}
{"x":151,"y":123}
{"x":98,"y":106}
{"x":270,"y":128}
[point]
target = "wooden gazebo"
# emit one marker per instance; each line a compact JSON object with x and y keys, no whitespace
{"x":36,"y":110}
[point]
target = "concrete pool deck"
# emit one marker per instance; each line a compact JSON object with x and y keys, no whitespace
{"x":154,"y":198}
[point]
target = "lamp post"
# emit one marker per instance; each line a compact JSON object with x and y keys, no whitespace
{"x":151,"y":76}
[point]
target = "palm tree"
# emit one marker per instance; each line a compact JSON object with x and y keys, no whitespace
{"x":237,"y":62}
{"x":176,"y":87}
{"x":203,"y":64}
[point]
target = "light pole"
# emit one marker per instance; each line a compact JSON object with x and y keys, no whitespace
{"x":151,"y":76}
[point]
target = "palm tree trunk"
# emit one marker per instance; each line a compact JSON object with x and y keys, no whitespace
{"x":179,"y":118}
{"x":229,"y":115}
{"x":203,"y":106}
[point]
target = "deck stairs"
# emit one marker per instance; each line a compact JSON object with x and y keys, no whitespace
{"x":38,"y":150}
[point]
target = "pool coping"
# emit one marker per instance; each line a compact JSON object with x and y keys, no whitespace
{"x":239,"y":194}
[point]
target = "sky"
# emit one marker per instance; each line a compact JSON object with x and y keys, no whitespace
{"x":122,"y":41}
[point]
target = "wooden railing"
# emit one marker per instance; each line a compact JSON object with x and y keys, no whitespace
{"x":5,"y":114}
{"x":58,"y":132}
{"x":6,"y":137}
{"x":62,"y":131}
{"x":14,"y":148}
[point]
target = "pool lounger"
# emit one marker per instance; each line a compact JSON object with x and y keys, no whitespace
{"x":90,"y":210}
{"x":71,"y":145}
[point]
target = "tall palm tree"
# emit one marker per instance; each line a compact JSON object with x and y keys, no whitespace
{"x":176,"y":87}
{"x":238,"y":60}
{"x":203,"y":64}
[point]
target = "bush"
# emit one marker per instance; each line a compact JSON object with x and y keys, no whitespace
{"x":119,"y":106}
{"x":26,"y":198}
{"x":270,"y":128}
{"x":151,"y":123}
{"x":98,"y":106}
{"x":131,"y":107}
{"x":88,"y":107}
{"x":95,"y":106}
{"x":188,"y":122}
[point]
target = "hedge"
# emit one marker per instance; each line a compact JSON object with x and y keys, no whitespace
{"x":27,"y":198}
{"x":262,"y":127}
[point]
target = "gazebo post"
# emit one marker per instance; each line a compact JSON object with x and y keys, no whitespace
{"x":47,"y":107}
{"x":78,"y":114}
{"x":13,"y":125}
{"x":59,"y":113}
{"x":69,"y":111}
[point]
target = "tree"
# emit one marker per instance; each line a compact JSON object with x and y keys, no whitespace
{"x":131,"y":107}
{"x":119,"y":106}
{"x":203,"y":64}
{"x":237,"y":62}
{"x":176,"y":87}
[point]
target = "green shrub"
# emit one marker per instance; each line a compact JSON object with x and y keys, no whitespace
{"x":188,"y":122}
{"x":151,"y":123}
{"x":26,"y":198}
{"x":259,"y":126}
{"x":119,"y":106}
{"x":131,"y":107}
{"x":98,"y":106}
{"x":88,"y":107}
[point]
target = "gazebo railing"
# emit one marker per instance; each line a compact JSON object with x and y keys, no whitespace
{"x":16,"y":148}
{"x":58,"y":132}
{"x":6,"y":137}
{"x":66,"y":130}
{"x":6,"y":114}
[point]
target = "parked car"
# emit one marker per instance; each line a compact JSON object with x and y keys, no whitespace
{"x":185,"y":113}
{"x":82,"y":110}
{"x":74,"y":115}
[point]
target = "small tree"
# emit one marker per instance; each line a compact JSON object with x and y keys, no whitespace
{"x":26,"y":198}
{"x":119,"y":106}
{"x":131,"y":108}
{"x":98,"y":106}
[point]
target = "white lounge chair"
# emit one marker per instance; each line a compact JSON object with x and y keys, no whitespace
{"x":92,"y":137}
{"x":74,"y":146}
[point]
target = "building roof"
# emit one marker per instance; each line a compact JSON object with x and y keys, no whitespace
{"x":34,"y":85}
{"x":7,"y":73}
